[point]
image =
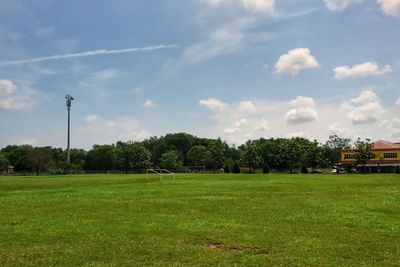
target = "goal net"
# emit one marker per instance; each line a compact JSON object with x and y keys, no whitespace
{"x":160,"y":172}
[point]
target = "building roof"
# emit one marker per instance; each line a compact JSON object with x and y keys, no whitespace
{"x":381,"y":144}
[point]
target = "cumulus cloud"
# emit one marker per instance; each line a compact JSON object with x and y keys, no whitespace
{"x":390,"y":7}
{"x":213,"y":104}
{"x":91,"y":118}
{"x":295,"y":61}
{"x":149,"y":104}
{"x":361,"y":70}
{"x":262,"y":125}
{"x":302,"y":112}
{"x":340,"y":5}
{"x":366,"y":108}
{"x":14,"y":98}
{"x":247,"y":106}
{"x":7,"y":87}
{"x":393,"y":127}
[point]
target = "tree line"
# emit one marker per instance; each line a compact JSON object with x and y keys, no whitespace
{"x":174,"y":151}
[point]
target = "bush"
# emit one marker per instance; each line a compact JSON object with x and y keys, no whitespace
{"x":266,"y":169}
{"x":227,"y":169}
{"x":304,"y":169}
{"x":236,"y":168}
{"x":397,"y":169}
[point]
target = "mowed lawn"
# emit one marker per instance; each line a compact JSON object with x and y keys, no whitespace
{"x":200,"y":220}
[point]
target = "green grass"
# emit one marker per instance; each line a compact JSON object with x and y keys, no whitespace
{"x":200,"y":220}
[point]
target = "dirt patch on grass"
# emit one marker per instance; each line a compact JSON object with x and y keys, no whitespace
{"x":212,"y":244}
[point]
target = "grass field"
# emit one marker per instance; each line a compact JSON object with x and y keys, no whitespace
{"x":200,"y":220}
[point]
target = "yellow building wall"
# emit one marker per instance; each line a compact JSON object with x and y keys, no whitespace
{"x":378,"y":155}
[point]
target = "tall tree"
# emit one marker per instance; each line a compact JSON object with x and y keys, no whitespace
{"x":170,"y":160}
{"x":199,"y":155}
{"x":250,"y":157}
{"x":40,"y":159}
{"x":17,"y":157}
{"x":140,"y":158}
{"x":99,"y":158}
{"x":3,"y":163}
{"x":363,"y":151}
{"x":217,"y":150}
{"x":290,"y":153}
{"x":337,"y":144}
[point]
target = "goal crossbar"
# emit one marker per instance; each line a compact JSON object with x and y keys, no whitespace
{"x":161,"y":172}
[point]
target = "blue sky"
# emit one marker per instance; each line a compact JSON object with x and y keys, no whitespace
{"x":235,"y":69}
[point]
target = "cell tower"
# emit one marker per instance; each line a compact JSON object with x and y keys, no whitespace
{"x":68,"y":103}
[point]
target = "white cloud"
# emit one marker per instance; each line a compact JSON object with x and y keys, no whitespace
{"x":29,"y":141}
{"x":225,"y":40}
{"x":240,"y":122}
{"x":393,"y":128}
{"x":361,"y":70}
{"x":149,"y":104}
{"x":91,"y":118}
{"x":302,"y":101}
{"x":366,"y":108}
{"x":301,"y":115}
{"x":87,"y":54}
{"x":14,"y":98}
{"x":247,"y":106}
{"x":7,"y":87}
{"x":398,"y":102}
{"x":230,"y":131}
{"x":340,"y":5}
{"x":266,"y":6}
{"x":213,"y":104}
{"x":390,"y":7}
{"x":302,"y":112}
{"x":262,"y":125}
{"x":295,"y":61}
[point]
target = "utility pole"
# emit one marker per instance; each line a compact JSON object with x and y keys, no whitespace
{"x":68,"y":103}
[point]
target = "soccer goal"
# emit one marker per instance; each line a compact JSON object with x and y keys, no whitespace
{"x":160,"y":172}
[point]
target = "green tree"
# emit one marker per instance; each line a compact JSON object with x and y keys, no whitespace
{"x":99,"y":158}
{"x":3,"y":163}
{"x":40,"y":159}
{"x":337,"y":144}
{"x":199,"y":155}
{"x":290,"y":153}
{"x":250,"y":157}
{"x":17,"y":157}
{"x":170,"y":160}
{"x":140,"y":158}
{"x":217,"y":150}
{"x":363,"y":152}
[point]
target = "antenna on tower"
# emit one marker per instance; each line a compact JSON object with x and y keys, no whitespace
{"x":68,"y":104}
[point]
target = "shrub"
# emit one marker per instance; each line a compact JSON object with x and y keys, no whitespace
{"x":236,"y":168}
{"x":397,"y":169}
{"x":227,"y":169}
{"x":304,"y":169}
{"x":266,"y":169}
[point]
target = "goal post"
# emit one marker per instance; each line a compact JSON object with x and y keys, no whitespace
{"x":160,"y":172}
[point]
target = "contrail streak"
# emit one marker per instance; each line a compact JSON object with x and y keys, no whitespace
{"x":87,"y":54}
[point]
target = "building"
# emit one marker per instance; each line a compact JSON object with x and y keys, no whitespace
{"x":387,"y":157}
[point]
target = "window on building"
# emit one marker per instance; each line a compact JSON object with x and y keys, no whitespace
{"x":390,"y":155}
{"x":349,"y":156}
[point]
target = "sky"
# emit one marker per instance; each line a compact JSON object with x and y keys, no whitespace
{"x":235,"y":69}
